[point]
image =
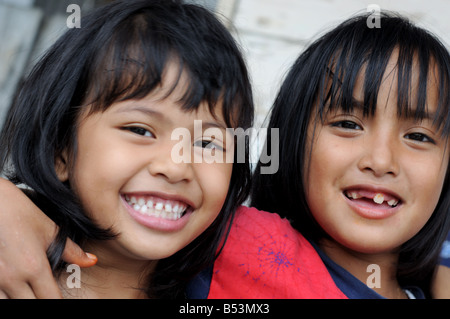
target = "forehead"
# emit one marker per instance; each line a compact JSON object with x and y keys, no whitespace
{"x":398,"y":84}
{"x":176,"y":86}
{"x":414,"y":85}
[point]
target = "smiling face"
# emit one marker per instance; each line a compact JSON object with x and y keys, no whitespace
{"x":126,"y":179}
{"x":374,"y":181}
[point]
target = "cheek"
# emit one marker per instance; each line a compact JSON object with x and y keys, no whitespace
{"x":427,"y":189}
{"x":322,"y":171}
{"x":94,"y":163}
{"x":327,"y":163}
{"x":100,"y":169}
{"x":214,"y":181}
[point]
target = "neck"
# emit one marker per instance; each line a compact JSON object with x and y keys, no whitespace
{"x":377,"y":271}
{"x":114,"y":276}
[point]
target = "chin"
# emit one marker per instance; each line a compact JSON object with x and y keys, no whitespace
{"x":368,"y":246}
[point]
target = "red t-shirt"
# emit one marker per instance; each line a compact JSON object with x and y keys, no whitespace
{"x":264,"y":257}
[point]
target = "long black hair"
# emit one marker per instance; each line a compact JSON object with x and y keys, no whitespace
{"x":324,"y":75}
{"x":120,"y":53}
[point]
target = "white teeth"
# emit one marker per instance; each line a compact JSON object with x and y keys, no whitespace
{"x":356,"y":195}
{"x":353,"y":195}
{"x":392,"y":202}
{"x":171,"y":210}
{"x":379,"y":198}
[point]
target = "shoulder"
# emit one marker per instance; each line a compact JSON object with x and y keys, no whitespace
{"x":249,"y":220}
{"x":253,"y":228}
{"x":264,"y":257}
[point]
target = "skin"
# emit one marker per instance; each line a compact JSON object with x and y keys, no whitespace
{"x":440,"y":287}
{"x":125,"y":152}
{"x":403,"y":159}
{"x":35,"y":280}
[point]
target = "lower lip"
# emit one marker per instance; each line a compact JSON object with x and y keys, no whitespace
{"x":371,"y":212}
{"x":157,"y":223}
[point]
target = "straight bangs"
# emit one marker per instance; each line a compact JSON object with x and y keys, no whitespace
{"x":121,"y":52}
{"x":354,"y":52}
{"x":359,"y":50}
{"x":141,"y":49}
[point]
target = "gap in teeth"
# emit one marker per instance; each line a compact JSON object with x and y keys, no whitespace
{"x":378,"y":198}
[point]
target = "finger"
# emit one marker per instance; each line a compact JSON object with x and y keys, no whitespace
{"x":73,"y":254}
{"x":3,"y":295}
{"x":21,"y":290}
{"x":45,"y":286}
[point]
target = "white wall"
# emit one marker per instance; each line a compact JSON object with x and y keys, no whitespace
{"x":273,"y":32}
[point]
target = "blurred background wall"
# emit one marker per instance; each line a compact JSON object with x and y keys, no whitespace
{"x":271,"y":32}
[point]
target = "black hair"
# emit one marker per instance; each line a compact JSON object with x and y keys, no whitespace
{"x":120,"y":53}
{"x":322,"y":79}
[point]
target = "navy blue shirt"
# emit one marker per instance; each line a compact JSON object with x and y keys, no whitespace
{"x":352,"y":287}
{"x":198,"y":288}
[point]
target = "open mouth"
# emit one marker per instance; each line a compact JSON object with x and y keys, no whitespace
{"x":157,"y":207}
{"x":373,"y":199}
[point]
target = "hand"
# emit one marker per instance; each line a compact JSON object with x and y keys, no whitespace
{"x":440,"y":288}
{"x":25,"y":234}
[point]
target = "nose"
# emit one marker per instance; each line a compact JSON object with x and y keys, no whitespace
{"x":172,"y":170}
{"x":380,"y":154}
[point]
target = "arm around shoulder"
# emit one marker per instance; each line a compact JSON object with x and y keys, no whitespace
{"x":25,"y":234}
{"x":18,"y":212}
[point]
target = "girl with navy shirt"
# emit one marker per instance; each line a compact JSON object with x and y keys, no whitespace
{"x":353,"y":99}
{"x":368,"y":184}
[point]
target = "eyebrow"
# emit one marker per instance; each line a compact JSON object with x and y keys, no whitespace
{"x":357,"y":104}
{"x":411,"y":114}
{"x":141,"y":109}
{"x":213,"y":124}
{"x":161,"y":116}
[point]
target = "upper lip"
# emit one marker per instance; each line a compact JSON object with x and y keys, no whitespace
{"x":374,"y":189}
{"x":162,"y":195}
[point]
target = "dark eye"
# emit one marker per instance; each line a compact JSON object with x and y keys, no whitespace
{"x":207,"y":144}
{"x":348,"y":125}
{"x":139,"y":130}
{"x":419,"y":137}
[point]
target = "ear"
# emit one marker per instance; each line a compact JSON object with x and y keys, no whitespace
{"x":61,"y":166}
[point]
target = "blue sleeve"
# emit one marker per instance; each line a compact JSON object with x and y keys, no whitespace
{"x":445,"y":253}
